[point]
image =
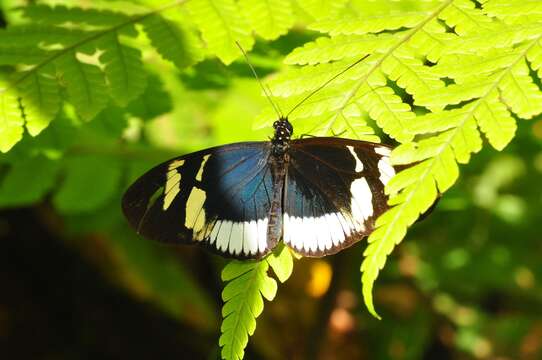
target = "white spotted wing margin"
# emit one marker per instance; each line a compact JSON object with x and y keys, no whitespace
{"x":334,"y":192}
{"x":219,"y":198}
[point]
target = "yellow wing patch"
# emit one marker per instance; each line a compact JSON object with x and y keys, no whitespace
{"x":195,"y":213}
{"x":200,"y":171}
{"x":173,"y":183}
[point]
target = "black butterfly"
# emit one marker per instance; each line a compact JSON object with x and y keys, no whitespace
{"x":319,"y":195}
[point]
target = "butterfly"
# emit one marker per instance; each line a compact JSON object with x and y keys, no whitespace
{"x":318,"y":195}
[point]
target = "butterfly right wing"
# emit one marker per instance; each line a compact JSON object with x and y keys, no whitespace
{"x":219,"y":198}
{"x":334,"y":192}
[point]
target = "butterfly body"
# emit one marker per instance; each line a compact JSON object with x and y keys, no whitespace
{"x":319,"y":195}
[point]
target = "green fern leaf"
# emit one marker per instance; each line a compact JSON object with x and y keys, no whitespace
{"x":495,"y":121}
{"x":369,"y":24}
{"x":466,"y":66}
{"x":87,"y":47}
{"x":520,"y":93}
{"x":465,"y":18}
{"x":16,"y":55}
{"x":85,"y":84}
{"x":247,"y":283}
{"x":410,"y":73}
{"x":534,"y":55}
{"x":153,"y":102}
{"x":458,"y":137}
{"x":269,"y":18}
{"x":513,"y":11}
{"x":11,"y":120}
{"x":282,"y":262}
{"x":392,"y":225}
{"x":38,"y":36}
{"x":432,"y":40}
{"x":303,"y":80}
{"x":455,"y":94}
{"x":60,"y":15}
{"x":174,"y":43}
{"x":501,"y":36}
{"x":389,"y":111}
{"x":325,"y":49}
{"x":40,"y":98}
{"x":123,"y":69}
{"x":322,"y":9}
{"x":221,"y":25}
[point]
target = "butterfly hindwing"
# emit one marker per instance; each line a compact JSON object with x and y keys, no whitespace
{"x":219,"y":198}
{"x":334,"y":191}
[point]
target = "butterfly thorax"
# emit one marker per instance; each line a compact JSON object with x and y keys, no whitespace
{"x":281,"y":138}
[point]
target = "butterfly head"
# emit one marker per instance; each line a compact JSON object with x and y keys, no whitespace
{"x":281,"y":138}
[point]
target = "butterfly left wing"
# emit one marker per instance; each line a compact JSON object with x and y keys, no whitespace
{"x":334,"y":191}
{"x":219,"y":198}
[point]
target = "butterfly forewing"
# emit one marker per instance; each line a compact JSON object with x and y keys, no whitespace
{"x":334,"y":192}
{"x":219,"y":198}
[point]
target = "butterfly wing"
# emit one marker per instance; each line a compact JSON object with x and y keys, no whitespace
{"x":219,"y":198}
{"x":334,"y":191}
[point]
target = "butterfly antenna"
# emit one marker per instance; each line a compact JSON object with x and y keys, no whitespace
{"x":266,"y":90}
{"x":325,"y":84}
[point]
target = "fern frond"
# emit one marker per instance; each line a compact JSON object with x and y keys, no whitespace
{"x":509,"y":88}
{"x":450,"y":136}
{"x":61,"y":15}
{"x":325,"y":49}
{"x":221,"y":25}
{"x":248,"y":282}
{"x":513,"y":11}
{"x":389,"y":111}
{"x":351,"y":122}
{"x":305,"y":79}
{"x":40,"y":98}
{"x":269,"y":18}
{"x":456,"y":93}
{"x":502,"y":37}
{"x":408,"y":71}
{"x":11,"y":119}
{"x":495,"y":121}
{"x":85,"y":84}
{"x":463,"y":16}
{"x":175,"y":44}
{"x":432,"y":40}
{"x":366,"y":84}
{"x":369,"y":24}
{"x":26,"y":56}
{"x":534,"y":56}
{"x":123,"y":69}
{"x":467,"y":66}
{"x":520,"y":93}
{"x":38,"y":36}
{"x":322,"y":9}
{"x":88,"y":49}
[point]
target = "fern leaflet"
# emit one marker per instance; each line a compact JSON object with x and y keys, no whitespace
{"x":247,"y":283}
